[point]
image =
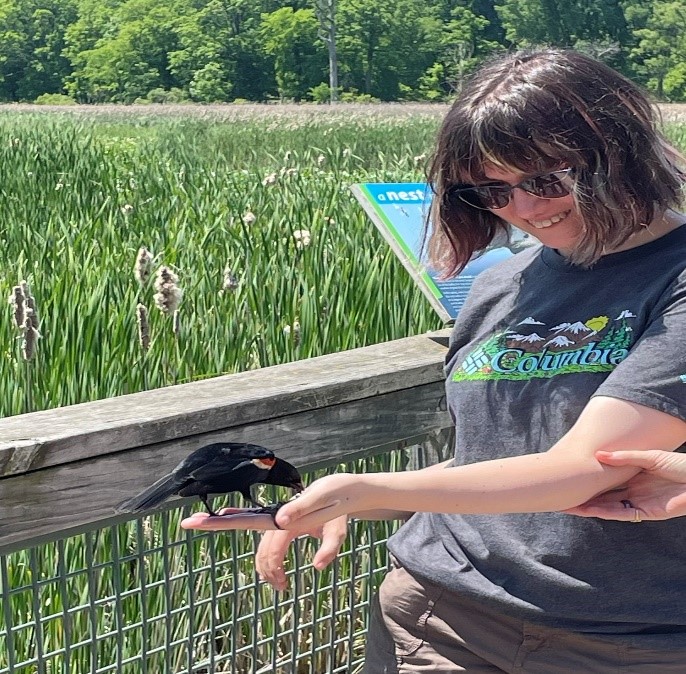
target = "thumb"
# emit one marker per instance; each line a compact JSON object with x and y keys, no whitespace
{"x":645,"y":459}
{"x":658,"y":462}
{"x":305,"y":504}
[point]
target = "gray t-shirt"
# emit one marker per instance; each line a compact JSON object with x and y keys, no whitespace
{"x":536,"y":339}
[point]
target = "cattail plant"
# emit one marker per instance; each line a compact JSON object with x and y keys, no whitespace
{"x":230,"y":282}
{"x":302,"y":238}
{"x":143,"y":327}
{"x":143,"y":266}
{"x":18,"y":304}
{"x":293,"y":332}
{"x":168,"y":294}
{"x":29,"y":339}
{"x":31,"y":308}
{"x":167,"y":299}
{"x":25,"y":317}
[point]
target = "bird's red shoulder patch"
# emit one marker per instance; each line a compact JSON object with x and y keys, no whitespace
{"x":265,"y":462}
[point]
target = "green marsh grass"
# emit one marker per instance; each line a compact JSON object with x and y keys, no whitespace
{"x":81,"y":195}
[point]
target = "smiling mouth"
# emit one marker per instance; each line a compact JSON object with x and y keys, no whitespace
{"x":542,"y":224}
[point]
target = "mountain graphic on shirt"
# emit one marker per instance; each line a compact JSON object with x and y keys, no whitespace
{"x":597,"y":344}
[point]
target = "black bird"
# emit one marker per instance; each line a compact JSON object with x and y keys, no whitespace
{"x":217,"y":469}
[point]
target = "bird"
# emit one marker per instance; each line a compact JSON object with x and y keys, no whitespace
{"x":219,"y":468}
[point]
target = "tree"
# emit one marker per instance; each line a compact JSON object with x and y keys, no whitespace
{"x":290,"y":37}
{"x":562,"y":22}
{"x":660,"y":51}
{"x":131,"y":56}
{"x":226,"y":33}
{"x":32,"y":40}
{"x":326,"y":15}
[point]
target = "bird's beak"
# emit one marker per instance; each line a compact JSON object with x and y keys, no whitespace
{"x":299,"y":487}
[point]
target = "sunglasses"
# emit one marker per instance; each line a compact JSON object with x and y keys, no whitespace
{"x":497,"y":194}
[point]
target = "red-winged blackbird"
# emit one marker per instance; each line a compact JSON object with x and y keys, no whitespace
{"x":217,"y":469}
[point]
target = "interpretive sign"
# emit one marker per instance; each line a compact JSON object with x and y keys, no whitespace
{"x":400,"y":211}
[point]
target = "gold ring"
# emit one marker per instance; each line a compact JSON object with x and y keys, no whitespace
{"x":637,"y":515}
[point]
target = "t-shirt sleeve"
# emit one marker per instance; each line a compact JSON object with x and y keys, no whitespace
{"x":654,"y":372}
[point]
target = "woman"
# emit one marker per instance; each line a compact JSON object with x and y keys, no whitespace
{"x":566,"y":349}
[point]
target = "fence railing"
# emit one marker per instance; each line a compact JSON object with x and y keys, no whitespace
{"x":84,"y":590}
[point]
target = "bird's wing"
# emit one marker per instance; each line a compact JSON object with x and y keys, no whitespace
{"x":221,"y":467}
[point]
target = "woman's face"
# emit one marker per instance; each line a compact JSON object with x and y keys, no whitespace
{"x":554,"y":222}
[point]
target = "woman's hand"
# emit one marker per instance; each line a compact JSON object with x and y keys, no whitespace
{"x":658,"y":492}
{"x":274,"y":545}
{"x":325,"y":499}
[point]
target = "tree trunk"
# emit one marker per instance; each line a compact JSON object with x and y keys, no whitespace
{"x":326,"y":13}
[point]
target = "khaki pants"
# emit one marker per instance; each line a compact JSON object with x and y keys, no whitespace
{"x":418,"y":627}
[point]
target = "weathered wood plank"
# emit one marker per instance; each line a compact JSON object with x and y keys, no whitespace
{"x":67,"y":497}
{"x":53,"y":437}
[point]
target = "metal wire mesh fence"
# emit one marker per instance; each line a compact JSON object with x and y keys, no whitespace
{"x":146,"y":597}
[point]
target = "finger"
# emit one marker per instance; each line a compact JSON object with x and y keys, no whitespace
{"x":645,"y":459}
{"x":271,"y":556}
{"x":605,"y":512}
{"x":238,"y":520}
{"x":333,"y":537}
{"x":609,"y":499}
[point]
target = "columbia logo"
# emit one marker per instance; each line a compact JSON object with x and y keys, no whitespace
{"x":683,"y":378}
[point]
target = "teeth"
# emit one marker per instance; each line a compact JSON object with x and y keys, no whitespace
{"x":542,"y":224}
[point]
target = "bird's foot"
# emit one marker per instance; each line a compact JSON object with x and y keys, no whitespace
{"x":270,"y":509}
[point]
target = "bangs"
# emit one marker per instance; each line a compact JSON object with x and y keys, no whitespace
{"x":502,"y":136}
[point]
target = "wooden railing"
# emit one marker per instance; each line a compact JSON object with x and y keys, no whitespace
{"x":62,"y":471}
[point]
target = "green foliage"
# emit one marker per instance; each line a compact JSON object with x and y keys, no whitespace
{"x":660,"y":49}
{"x":290,"y":36}
{"x":218,"y":50}
{"x":209,"y":84}
{"x":430,"y":85}
{"x":31,"y":44}
{"x":354,"y":96}
{"x":320,"y":93}
{"x":54,"y":99}
{"x":162,"y":96}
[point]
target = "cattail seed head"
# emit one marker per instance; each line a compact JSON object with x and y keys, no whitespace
{"x":32,"y":312}
{"x":16,"y":300}
{"x":293,"y":332}
{"x":302,"y":238}
{"x":143,"y":266}
{"x":30,"y":304}
{"x":230,"y":281}
{"x":29,"y":340}
{"x":143,"y":327}
{"x":168,"y":295}
{"x":249,"y":218}
{"x":165,"y":276}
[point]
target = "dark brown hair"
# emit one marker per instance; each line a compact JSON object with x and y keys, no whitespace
{"x":535,"y":111}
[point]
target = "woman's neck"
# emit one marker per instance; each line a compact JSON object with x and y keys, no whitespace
{"x":661,"y":225}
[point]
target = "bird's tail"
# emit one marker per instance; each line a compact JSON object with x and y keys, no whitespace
{"x":152,"y":496}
